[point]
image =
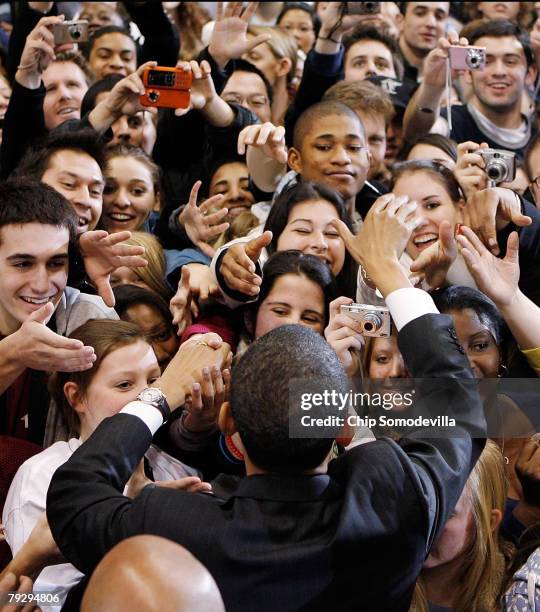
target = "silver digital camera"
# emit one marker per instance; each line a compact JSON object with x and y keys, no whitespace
{"x":374,"y":321}
{"x":500,"y":165}
{"x":70,"y":32}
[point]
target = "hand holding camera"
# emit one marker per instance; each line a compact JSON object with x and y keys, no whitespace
{"x":434,"y":72}
{"x":70,"y":32}
{"x":38,"y":52}
{"x":343,"y":334}
{"x":470,"y":167}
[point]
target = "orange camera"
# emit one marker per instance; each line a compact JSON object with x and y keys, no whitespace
{"x":166,"y":87}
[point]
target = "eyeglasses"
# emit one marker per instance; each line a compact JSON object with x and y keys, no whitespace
{"x":255,"y":101}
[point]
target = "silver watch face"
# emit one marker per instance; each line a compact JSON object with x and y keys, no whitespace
{"x":151,"y":395}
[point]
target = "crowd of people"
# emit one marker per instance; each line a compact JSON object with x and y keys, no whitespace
{"x":170,"y":271}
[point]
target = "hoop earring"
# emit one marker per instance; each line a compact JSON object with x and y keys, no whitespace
{"x":503,"y":371}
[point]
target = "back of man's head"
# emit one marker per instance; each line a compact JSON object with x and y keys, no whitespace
{"x":260,"y":397}
{"x":316,"y":113}
{"x":36,"y":160}
{"x":24,"y":201}
{"x":362,"y":96}
{"x":149,"y":574}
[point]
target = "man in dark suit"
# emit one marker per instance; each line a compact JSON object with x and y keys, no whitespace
{"x":297,"y":533}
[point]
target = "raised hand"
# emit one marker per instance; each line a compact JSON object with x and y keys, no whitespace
{"x":207,"y":398}
{"x":38,"y":52}
{"x":434,"y":71}
{"x":229,"y":38}
{"x":238,"y":264}
{"x":102,"y":253}
{"x":434,"y":262}
{"x":491,"y":210}
{"x":202,"y":86}
{"x":382,"y":239}
{"x":497,"y":278}
{"x":180,"y":304}
{"x":267,"y":137}
{"x":37,"y":347}
{"x":186,"y":366}
{"x":202,"y":285}
{"x":123,"y":99}
{"x":343,"y":335}
{"x":469,"y":170}
{"x":201,"y":226}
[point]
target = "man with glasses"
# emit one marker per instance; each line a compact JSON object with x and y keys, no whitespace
{"x":248,"y":87}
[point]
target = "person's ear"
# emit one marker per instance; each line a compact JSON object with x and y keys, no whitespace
{"x":399,"y":20}
{"x":496,"y":518}
{"x":294,"y":159}
{"x":225,"y":420}
{"x":460,"y":209}
{"x":283,"y":66}
{"x":530,"y":77}
{"x":74,"y":397}
{"x":467,"y":77}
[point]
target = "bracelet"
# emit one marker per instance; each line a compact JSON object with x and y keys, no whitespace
{"x":337,"y":42}
{"x":27,"y":66}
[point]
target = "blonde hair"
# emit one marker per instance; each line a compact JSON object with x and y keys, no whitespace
{"x":153,"y":274}
{"x":482,"y":572}
{"x":281,"y":43}
{"x":240,"y":226}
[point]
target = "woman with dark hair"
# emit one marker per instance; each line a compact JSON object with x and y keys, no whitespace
{"x":300,"y":219}
{"x":301,"y":21}
{"x":151,"y":313}
{"x":433,"y":147}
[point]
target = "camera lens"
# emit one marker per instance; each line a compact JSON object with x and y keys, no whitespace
{"x":153,"y":96}
{"x":474,"y":59}
{"x":496,"y":171}
{"x":369,"y":7}
{"x":372,"y":322}
{"x":75,"y":33}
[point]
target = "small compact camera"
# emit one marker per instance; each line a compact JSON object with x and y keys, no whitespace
{"x":166,"y":87}
{"x":362,"y":8}
{"x":375,"y":321}
{"x":467,"y":58}
{"x":500,"y":165}
{"x":70,"y":32}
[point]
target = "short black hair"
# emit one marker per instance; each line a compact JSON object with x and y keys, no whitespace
{"x":103,"y":85}
{"x":499,"y":28}
{"x":305,"y":191}
{"x":301,"y":264}
{"x":455,"y":297}
{"x":366,"y":31}
{"x":315,"y":113}
{"x":36,"y":160}
{"x":26,"y":201}
{"x":126,"y":296}
{"x":301,"y":6}
{"x":242,"y":65}
{"x":111,"y":29}
{"x":259,"y":396}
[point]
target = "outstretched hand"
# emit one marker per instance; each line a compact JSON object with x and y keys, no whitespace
{"x":433,"y":263}
{"x":102,"y":253}
{"x":238,"y":265}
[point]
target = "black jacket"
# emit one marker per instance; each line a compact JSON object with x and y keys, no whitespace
{"x":352,"y":539}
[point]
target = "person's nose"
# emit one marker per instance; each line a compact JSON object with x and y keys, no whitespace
{"x":398,"y":368}
{"x":64,"y":93}
{"x":121,"y":129}
{"x":115,"y":62}
{"x":82,"y":196}
{"x":341,"y":156}
{"x":318,"y":243}
{"x":122,"y":200}
{"x":371,"y":69}
{"x":40,"y":282}
{"x":234,"y":192}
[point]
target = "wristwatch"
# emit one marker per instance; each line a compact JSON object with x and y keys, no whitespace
{"x":155,"y":397}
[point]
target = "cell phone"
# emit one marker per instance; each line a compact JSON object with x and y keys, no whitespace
{"x":70,"y":32}
{"x":166,"y":87}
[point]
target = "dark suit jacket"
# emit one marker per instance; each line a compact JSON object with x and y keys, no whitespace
{"x":353,"y":539}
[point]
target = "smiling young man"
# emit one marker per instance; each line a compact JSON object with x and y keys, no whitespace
{"x":493,"y":114}
{"x":71,"y":163}
{"x":421,"y":24}
{"x":37,"y":225}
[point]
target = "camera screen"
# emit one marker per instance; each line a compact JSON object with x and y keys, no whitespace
{"x":160,"y":78}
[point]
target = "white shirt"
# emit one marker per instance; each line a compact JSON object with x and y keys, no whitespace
{"x":27,"y":495}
